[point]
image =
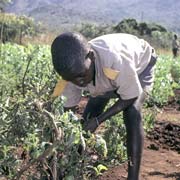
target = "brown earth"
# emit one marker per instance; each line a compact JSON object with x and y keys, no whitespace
{"x":157,"y":164}
{"x":161,"y":157}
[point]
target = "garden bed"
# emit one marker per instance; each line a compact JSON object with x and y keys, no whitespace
{"x":161,"y":158}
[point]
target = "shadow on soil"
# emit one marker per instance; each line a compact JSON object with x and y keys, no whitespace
{"x":171,"y":175}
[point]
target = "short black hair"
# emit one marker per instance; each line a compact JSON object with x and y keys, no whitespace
{"x":69,"y":51}
{"x":175,"y":36}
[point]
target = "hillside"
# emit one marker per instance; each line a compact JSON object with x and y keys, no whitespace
{"x":62,"y":13}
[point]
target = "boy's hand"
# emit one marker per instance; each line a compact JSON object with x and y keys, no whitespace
{"x":91,"y":124}
{"x":88,"y":125}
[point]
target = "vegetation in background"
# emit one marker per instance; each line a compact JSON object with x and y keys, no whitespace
{"x":65,"y":14}
{"x":155,"y":34}
{"x":13,"y":28}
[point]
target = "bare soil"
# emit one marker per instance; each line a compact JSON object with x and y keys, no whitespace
{"x":161,"y":156}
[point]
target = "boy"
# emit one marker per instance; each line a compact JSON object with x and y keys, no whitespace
{"x":110,"y":66}
{"x":175,"y":46}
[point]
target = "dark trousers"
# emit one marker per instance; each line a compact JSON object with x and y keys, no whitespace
{"x":175,"y":50}
{"x":96,"y":105}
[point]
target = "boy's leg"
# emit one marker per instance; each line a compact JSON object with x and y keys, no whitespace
{"x":135,"y":137}
{"x":95,"y":107}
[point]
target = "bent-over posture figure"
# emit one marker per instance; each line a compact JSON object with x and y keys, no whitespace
{"x":110,"y":66}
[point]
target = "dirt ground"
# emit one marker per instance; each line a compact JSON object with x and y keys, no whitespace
{"x":161,"y":156}
{"x":161,"y":164}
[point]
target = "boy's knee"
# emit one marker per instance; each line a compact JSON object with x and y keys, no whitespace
{"x":132,"y":115}
{"x":139,"y":102}
{"x":132,"y":110}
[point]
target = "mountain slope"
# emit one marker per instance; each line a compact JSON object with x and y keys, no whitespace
{"x":62,"y":13}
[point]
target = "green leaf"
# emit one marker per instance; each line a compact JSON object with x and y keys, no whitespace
{"x":102,"y":168}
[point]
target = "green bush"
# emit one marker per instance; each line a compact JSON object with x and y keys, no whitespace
{"x":13,"y":28}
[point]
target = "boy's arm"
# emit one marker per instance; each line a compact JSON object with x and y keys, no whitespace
{"x":119,"y":106}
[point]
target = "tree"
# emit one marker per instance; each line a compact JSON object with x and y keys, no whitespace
{"x":3,"y":3}
{"x":15,"y":27}
{"x":127,"y":26}
{"x":144,"y":29}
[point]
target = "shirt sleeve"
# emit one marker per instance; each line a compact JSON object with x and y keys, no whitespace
{"x":127,"y":81}
{"x":72,"y":94}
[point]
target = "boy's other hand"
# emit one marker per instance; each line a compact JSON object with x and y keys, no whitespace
{"x":91,"y":124}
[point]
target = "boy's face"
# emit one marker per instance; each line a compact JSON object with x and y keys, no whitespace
{"x":85,"y":75}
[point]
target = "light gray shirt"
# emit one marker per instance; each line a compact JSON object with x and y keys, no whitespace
{"x":125,"y":56}
{"x":175,"y":44}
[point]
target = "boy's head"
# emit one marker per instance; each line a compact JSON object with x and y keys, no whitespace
{"x":70,"y":56}
{"x":175,"y":36}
